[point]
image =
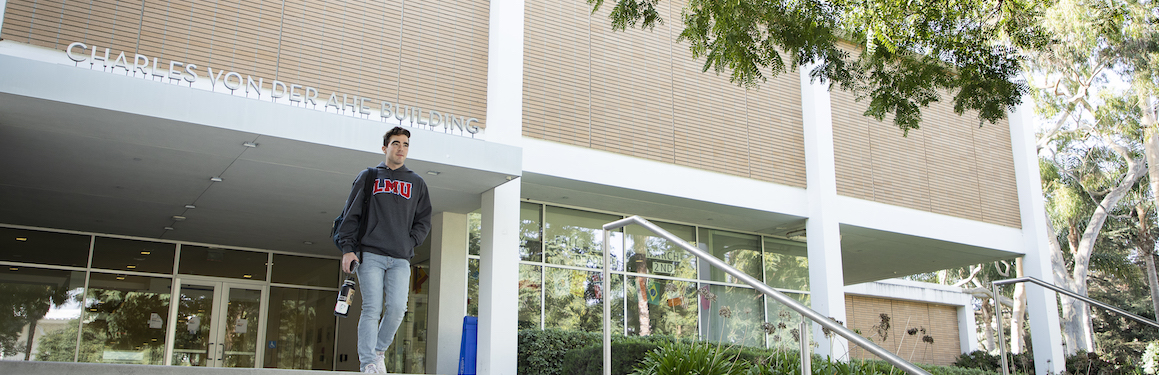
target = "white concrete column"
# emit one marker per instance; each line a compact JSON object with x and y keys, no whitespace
{"x":967,"y":329}
{"x":499,"y":281}
{"x":3,"y":11}
{"x":826,"y":281}
{"x":1041,"y":303}
{"x":448,"y":294}
{"x":505,"y":73}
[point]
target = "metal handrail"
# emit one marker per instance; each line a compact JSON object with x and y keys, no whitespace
{"x":759,"y":286}
{"x":998,"y":312}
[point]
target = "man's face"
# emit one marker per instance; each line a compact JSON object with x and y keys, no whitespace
{"x":396,"y":149}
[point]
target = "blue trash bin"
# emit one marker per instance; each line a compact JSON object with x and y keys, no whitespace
{"x":470,"y":345}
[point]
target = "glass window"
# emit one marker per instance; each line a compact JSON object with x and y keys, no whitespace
{"x":530,"y":246}
{"x":730,"y":314}
{"x":576,"y":238}
{"x":41,"y":304}
{"x":651,"y":254}
{"x":661,"y":307}
{"x":208,"y":261}
{"x":473,"y":287}
{"x":290,"y":269}
{"x":530,"y":287}
{"x":474,"y":233}
{"x":300,"y":330}
{"x":125,"y":319}
{"x":741,"y":251}
{"x":784,"y":325}
{"x":572,"y":299}
{"x":786,"y":264}
{"x":30,"y":246}
{"x":131,"y":255}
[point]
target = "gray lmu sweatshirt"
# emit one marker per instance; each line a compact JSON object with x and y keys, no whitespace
{"x":399,"y":217}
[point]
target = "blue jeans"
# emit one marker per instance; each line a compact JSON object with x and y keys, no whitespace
{"x":384,"y":283}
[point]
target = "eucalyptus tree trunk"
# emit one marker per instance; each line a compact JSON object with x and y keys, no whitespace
{"x":1151,"y":149}
{"x":1076,"y":317}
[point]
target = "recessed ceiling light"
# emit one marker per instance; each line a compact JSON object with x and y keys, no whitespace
{"x":215,"y":179}
{"x":168,"y":228}
{"x":118,"y":278}
{"x":248,"y":276}
{"x":13,"y":268}
{"x":307,"y":243}
{"x":178,"y":218}
{"x":130,"y":266}
{"x":22,"y":239}
{"x":190,"y":206}
{"x":249,"y":144}
{"x":146,"y":252}
{"x":433,"y":173}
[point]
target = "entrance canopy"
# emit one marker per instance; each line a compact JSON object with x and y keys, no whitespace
{"x":109,"y":153}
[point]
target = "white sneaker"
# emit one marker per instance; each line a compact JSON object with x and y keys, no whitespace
{"x":371,"y":369}
{"x":380,"y":362}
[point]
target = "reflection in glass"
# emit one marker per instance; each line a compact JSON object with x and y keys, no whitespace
{"x":783,"y":327}
{"x":530,"y":246}
{"x":297,"y":270}
{"x":651,"y":254}
{"x":241,"y":327}
{"x":301,"y":329}
{"x":530,"y":286}
{"x":39,"y":314}
{"x":474,"y":233}
{"x":132,"y":255}
{"x":786,"y":264}
{"x":125,"y":319}
{"x":732,"y":315}
{"x":572,"y":300}
{"x":30,"y":246}
{"x":661,"y":307}
{"x":576,"y":238}
{"x":472,"y":287}
{"x":236,"y":264}
{"x":407,"y":353}
{"x":741,"y":251}
{"x":194,"y":319}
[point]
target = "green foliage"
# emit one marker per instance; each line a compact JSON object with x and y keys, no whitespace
{"x":983,"y":361}
{"x":541,"y":352}
{"x":914,"y":51}
{"x":690,"y":358}
{"x":626,"y":355}
{"x":1084,"y":363}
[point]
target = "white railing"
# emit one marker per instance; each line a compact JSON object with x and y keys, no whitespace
{"x":767,"y":290}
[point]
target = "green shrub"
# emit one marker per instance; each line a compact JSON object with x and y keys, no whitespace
{"x":1084,"y":363}
{"x":683,"y":358}
{"x":541,"y":352}
{"x":589,"y":360}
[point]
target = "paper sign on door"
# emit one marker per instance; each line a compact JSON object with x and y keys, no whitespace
{"x":155,"y":321}
{"x":240,"y":326}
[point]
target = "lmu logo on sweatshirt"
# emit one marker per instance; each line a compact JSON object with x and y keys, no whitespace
{"x":393,"y":187}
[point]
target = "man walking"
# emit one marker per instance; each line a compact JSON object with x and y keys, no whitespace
{"x":398,"y":220}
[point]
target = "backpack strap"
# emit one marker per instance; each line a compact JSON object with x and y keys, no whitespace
{"x":367,"y":190}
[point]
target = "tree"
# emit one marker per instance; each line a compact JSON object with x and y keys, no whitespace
{"x":909,"y":51}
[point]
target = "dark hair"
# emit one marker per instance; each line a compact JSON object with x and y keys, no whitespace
{"x":398,"y":130}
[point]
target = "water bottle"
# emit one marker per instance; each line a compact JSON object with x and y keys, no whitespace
{"x":346,"y":294}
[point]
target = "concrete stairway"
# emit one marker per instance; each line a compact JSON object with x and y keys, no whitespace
{"x":68,"y":368}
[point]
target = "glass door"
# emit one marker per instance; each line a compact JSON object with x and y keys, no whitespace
{"x":216,"y":324}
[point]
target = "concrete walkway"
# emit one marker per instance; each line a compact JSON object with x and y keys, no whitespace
{"x":68,"y":368}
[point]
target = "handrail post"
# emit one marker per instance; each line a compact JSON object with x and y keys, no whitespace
{"x":604,"y":293}
{"x":803,"y":338}
{"x":1001,"y":336}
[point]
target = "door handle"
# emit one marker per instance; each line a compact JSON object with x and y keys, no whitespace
{"x":209,"y":352}
{"x":221,"y":352}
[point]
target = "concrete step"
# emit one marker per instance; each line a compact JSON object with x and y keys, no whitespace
{"x":69,"y":368}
